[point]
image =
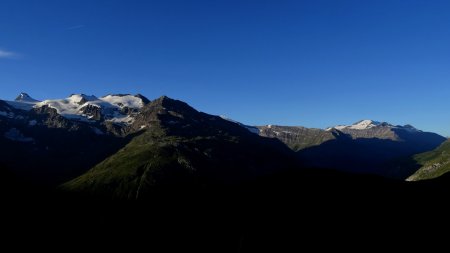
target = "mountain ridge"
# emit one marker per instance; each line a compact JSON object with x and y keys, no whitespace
{"x":118,"y":126}
{"x":370,"y":147}
{"x":178,"y":147}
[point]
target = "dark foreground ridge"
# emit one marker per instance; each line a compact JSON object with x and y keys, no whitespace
{"x":285,"y":212}
{"x":122,"y":170}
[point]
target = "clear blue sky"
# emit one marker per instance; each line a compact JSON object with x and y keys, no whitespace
{"x":311,"y":63}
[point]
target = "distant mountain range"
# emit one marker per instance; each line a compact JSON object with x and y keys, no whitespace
{"x":126,"y":146}
{"x":364,"y":147}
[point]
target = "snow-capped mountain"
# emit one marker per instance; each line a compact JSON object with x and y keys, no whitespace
{"x":90,"y":128}
{"x":360,"y":125}
{"x":24,"y":97}
{"x":66,"y":137}
{"x":114,"y":108}
{"x":366,"y":146}
{"x":369,"y":124}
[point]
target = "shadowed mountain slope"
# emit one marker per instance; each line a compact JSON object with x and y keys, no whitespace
{"x":181,"y":146}
{"x":364,"y":147}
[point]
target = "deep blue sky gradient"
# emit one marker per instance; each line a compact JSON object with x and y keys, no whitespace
{"x":309,"y":63}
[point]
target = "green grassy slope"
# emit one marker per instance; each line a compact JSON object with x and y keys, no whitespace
{"x":183,"y":147}
{"x":434,"y":163}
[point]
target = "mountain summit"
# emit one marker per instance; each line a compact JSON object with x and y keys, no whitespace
{"x":176,"y":145}
{"x":360,"y":125}
{"x":369,"y":124}
{"x":366,"y":146}
{"x":24,"y":97}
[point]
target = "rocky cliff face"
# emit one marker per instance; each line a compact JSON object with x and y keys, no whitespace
{"x":298,"y":138}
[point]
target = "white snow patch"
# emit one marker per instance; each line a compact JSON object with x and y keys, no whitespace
{"x":110,"y":106}
{"x":65,"y":107}
{"x":365,"y":124}
{"x":124,"y":101}
{"x":360,"y":125}
{"x":76,"y":98}
{"x":368,"y":124}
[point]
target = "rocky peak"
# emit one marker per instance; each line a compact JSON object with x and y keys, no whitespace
{"x":24,"y":97}
{"x":172,"y":104}
{"x":410,"y":128}
{"x":361,"y":125}
{"x":143,"y":98}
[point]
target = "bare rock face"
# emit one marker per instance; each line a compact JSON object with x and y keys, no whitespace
{"x":297,"y":138}
{"x":51,"y":118}
{"x":93,"y":112}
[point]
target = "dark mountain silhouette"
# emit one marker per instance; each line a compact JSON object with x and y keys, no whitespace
{"x":372,"y":155}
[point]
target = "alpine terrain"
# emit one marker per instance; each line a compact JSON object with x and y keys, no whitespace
{"x":366,"y":146}
{"x":130,"y":143}
{"x":126,"y":146}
